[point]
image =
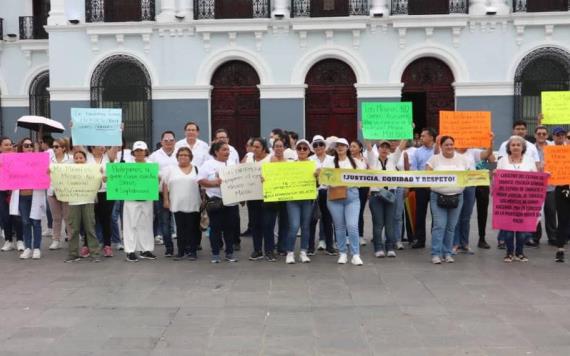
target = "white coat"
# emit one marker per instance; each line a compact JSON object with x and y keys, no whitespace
{"x":38,"y":204}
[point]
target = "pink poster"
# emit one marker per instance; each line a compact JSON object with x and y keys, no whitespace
{"x":24,"y":171}
{"x":517,"y":199}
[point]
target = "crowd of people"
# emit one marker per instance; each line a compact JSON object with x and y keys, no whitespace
{"x":190,"y":203}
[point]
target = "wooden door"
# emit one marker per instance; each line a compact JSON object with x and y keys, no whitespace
{"x":329,"y":8}
{"x":234,"y":9}
{"x":123,"y":11}
{"x":235,"y":102}
{"x":428,"y":7}
{"x":546,"y":5}
{"x":330,"y":101}
{"x":428,"y":83}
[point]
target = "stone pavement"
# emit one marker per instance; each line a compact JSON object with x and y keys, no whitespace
{"x":404,"y":306}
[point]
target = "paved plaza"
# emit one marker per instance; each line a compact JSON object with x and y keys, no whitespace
{"x":404,"y":306}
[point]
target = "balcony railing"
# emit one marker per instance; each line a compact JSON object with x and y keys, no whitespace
{"x":429,"y":7}
{"x":540,"y":5}
{"x":1,"y":29}
{"x":329,"y":8}
{"x":119,"y":11}
{"x":231,"y":9}
{"x":32,"y":28}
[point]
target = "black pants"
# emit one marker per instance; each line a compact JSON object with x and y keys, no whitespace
{"x":326,"y":220}
{"x":188,"y":232}
{"x":549,"y":218}
{"x":5,"y":217}
{"x":257,"y":221}
{"x":563,"y":212}
{"x":482,"y":199}
{"x":422,"y":201}
{"x":363,"y":196}
{"x":103,"y":213}
{"x":222,"y":226}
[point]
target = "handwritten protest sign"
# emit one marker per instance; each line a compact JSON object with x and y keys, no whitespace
{"x":96,"y":127}
{"x":241,"y":183}
{"x":76,"y":183}
{"x":132,"y":181}
{"x":388,"y":121}
{"x":289,"y":181}
{"x":470,"y":129}
{"x":406,"y":179}
{"x":24,"y":170}
{"x":517,"y":199}
{"x":555,"y":107}
{"x":557,"y":163}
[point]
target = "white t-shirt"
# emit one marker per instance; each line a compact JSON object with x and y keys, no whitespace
{"x":67,"y":159}
{"x":125,"y":155}
{"x":164,"y":161}
{"x":184,"y":191}
{"x":345,"y":164}
{"x":199,"y":151}
{"x":290,"y":154}
{"x":234,"y":155}
{"x":410,"y":151}
{"x":211,"y":170}
{"x":321,"y":164}
{"x":473,"y":156}
{"x":530,"y":150}
{"x":440,"y":163}
{"x":251,"y":159}
{"x":104,"y":160}
{"x":527,"y":164}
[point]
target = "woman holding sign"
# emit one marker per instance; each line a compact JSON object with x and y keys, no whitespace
{"x":516,"y":160}
{"x":357,"y":152}
{"x":222,"y":217}
{"x":344,"y":206}
{"x":181,"y":196}
{"x":445,"y":202}
{"x":277,"y":209}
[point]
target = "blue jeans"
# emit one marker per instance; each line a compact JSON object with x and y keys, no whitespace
{"x":461,"y":236}
{"x":345,"y":218}
{"x":164,"y":223}
{"x":115,"y":229}
{"x":299,"y":215}
{"x":32,"y":228}
{"x":509,"y":238}
{"x":443,"y":227}
{"x":382,"y":219}
{"x":399,"y":207}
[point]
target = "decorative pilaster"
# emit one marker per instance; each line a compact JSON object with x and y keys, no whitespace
{"x":281,"y":9}
{"x":185,"y":10}
{"x":379,"y":7}
{"x":501,"y":7}
{"x":167,"y":8}
{"x":477,"y":7}
{"x":57,"y":13}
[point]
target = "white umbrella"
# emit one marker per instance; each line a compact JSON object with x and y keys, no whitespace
{"x":40,"y":124}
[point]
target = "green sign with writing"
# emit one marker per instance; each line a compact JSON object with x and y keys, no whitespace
{"x":387,"y":121}
{"x":132,"y":181}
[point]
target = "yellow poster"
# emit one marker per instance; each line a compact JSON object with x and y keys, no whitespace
{"x":289,"y":181}
{"x":76,"y":183}
{"x":555,"y":107}
{"x":404,"y":179}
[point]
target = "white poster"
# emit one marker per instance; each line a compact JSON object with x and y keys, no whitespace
{"x":241,"y":183}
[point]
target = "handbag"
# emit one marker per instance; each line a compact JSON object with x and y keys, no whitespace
{"x":448,"y":201}
{"x":337,"y":193}
{"x":214,"y":204}
{"x":204,"y":220}
{"x":387,"y":196}
{"x":316,"y":212}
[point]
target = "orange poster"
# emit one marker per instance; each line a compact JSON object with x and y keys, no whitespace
{"x":470,"y":129}
{"x":557,"y":163}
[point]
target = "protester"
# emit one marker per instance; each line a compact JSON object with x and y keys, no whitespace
{"x":549,"y":210}
{"x":357,"y":153}
{"x":520,"y":130}
{"x":222,"y":217}
{"x":277,"y":210}
{"x":59,"y":209}
{"x":6,"y":220}
{"x":516,"y":159}
{"x":402,"y":204}
{"x":137,"y":218}
{"x":344,"y":206}
{"x":199,"y":148}
{"x":299,"y":214}
{"x":82,"y":218}
{"x":181,"y":195}
{"x":562,"y":202}
{"x":30,"y":205}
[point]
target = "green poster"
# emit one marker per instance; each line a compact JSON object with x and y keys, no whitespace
{"x":132,"y":181}
{"x":387,"y":121}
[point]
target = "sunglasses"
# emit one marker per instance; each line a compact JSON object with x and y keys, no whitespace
{"x":318,"y":144}
{"x":302,"y":148}
{"x":165,"y":140}
{"x":56,"y":146}
{"x":27,"y":145}
{"x":541,"y":134}
{"x":568,"y":137}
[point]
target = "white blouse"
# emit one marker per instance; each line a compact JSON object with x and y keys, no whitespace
{"x":183,"y":189}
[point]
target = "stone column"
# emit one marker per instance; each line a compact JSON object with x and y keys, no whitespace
{"x":501,"y":7}
{"x":166,"y":11}
{"x":281,"y":8}
{"x":57,"y":13}
{"x":477,"y":7}
{"x":379,"y":7}
{"x":185,"y":9}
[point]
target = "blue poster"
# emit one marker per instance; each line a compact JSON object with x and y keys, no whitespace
{"x":96,"y":127}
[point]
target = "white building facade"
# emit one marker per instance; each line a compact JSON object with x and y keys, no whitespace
{"x":304,"y":65}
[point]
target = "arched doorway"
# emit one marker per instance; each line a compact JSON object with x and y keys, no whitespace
{"x":235,"y":102}
{"x":39,"y":95}
{"x":546,"y":69}
{"x":122,"y":82}
{"x":330,"y":100}
{"x":428,"y":85}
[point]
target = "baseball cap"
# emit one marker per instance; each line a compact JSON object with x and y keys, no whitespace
{"x":559,"y":130}
{"x":384,"y":142}
{"x":341,"y":141}
{"x":140,"y":145}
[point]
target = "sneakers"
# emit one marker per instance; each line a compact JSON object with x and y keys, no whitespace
{"x":55,"y":245}
{"x":20,"y":246}
{"x":465,"y":250}
{"x":107,"y":251}
{"x":449,"y":259}
{"x":304,"y":258}
{"x":132,"y":257}
{"x":147,"y":255}
{"x":290,"y":259}
{"x":559,"y":256}
{"x":192,"y":256}
{"x":501,"y":246}
{"x":391,"y":253}
{"x":215,"y":259}
{"x":120,"y":247}
{"x":47,"y":232}
{"x":84,"y":252}
{"x":8,"y":246}
{"x":168,"y":254}
{"x":322,"y":245}
{"x":342,"y":259}
{"x":399,"y":245}
{"x":311,"y":253}
{"x":237,"y":247}
{"x":380,"y":254}
{"x":436,"y":260}
{"x":256,"y":256}
{"x":521,"y":258}
{"x":231,"y":258}
{"x":270,"y":257}
{"x":71,"y":259}
{"x":508,"y":258}
{"x":331,"y":252}
{"x":158,"y":240}
{"x":36,"y":254}
{"x":27,"y":254}
{"x":362,"y":241}
{"x":356,"y":260}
